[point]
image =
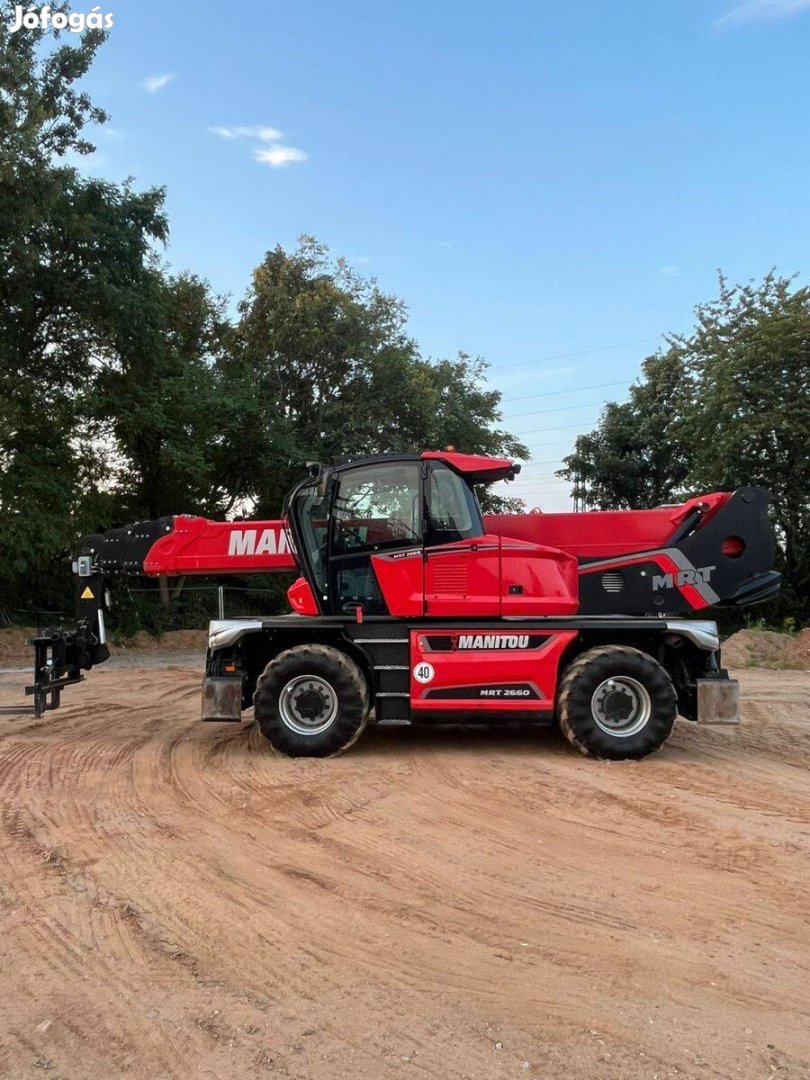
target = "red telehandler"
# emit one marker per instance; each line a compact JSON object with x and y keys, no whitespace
{"x":411,"y":605}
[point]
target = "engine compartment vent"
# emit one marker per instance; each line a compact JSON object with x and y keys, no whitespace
{"x":450,"y":577}
{"x":613,"y":582}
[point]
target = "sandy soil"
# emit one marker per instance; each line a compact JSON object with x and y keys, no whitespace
{"x":176,"y":901}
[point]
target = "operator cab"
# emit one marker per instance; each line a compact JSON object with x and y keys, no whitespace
{"x":404,"y":536}
{"x":358,"y":524}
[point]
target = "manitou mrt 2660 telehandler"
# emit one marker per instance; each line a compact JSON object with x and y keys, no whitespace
{"x":413,"y":606}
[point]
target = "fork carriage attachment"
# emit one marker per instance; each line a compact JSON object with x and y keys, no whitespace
{"x":60,"y":655}
{"x":59,"y":658}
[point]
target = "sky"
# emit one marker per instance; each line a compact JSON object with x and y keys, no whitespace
{"x":550,"y":186}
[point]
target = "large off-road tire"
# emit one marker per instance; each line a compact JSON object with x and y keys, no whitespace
{"x":616,"y":702}
{"x":311,"y":701}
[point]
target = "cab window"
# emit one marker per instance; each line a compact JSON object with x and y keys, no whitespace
{"x":377,"y":507}
{"x":312,"y":510}
{"x":453,"y":510}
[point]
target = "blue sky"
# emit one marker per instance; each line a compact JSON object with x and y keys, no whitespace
{"x":537,"y":181}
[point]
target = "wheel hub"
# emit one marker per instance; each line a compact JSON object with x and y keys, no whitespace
{"x":308,"y":704}
{"x":618,"y":706}
{"x":621,"y":706}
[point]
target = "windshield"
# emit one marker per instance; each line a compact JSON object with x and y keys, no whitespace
{"x":453,"y":510}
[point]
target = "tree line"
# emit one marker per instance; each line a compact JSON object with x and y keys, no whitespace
{"x":723,"y":406}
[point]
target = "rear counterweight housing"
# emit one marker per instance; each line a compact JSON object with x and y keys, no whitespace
{"x":724,"y":557}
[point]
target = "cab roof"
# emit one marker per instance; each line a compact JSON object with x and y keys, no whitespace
{"x":475,"y":467}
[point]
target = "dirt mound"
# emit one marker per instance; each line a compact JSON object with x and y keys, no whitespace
{"x":171,"y":641}
{"x":756,"y":648}
{"x":13,"y":649}
{"x":768,"y":649}
{"x":800,"y":649}
{"x":15,"y":653}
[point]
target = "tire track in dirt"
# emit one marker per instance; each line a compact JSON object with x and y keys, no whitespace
{"x":176,"y":900}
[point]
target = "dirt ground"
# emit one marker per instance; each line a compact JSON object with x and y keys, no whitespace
{"x":176,"y":901}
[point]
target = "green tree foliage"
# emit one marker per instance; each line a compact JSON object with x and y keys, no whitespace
{"x":730,"y":403}
{"x":749,"y":358}
{"x":71,"y":253}
{"x":159,"y":404}
{"x":637,"y":456}
{"x":325,"y":369}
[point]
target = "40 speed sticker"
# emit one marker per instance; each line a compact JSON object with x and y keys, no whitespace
{"x":423,"y":672}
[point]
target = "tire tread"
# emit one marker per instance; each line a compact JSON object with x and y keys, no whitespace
{"x":593,"y":742}
{"x":348,"y":682}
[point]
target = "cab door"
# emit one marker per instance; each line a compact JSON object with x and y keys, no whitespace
{"x":462,"y":564}
{"x":375,"y":540}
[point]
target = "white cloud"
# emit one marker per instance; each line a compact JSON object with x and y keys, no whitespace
{"x":263,"y":134}
{"x":111,"y":132}
{"x":763,"y":11}
{"x":223,"y":132}
{"x":278,"y":156}
{"x":269,"y":151}
{"x":669,"y":270}
{"x":153,"y":83}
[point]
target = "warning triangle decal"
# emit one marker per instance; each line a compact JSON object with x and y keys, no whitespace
{"x":88,"y":594}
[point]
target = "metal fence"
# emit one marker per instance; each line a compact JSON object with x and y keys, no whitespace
{"x":30,"y":617}
{"x":218,"y":601}
{"x":191,"y":606}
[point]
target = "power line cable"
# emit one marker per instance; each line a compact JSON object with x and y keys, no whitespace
{"x":570,"y":355}
{"x":553,"y":461}
{"x":561,"y":427}
{"x":528,"y":481}
{"x":532,"y":431}
{"x":570,"y":390}
{"x":561,"y":408}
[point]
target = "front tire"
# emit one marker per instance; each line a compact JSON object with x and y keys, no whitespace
{"x":615,"y":702}
{"x":311,"y":701}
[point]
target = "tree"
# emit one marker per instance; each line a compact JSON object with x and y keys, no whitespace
{"x":70,"y":249}
{"x":637,"y":455}
{"x":323,"y":362}
{"x":160,"y":403}
{"x":727,"y":405}
{"x":42,"y":113}
{"x":749,"y":358}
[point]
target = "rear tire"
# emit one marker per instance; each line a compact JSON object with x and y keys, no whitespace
{"x":615,"y":702}
{"x":311,"y":701}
